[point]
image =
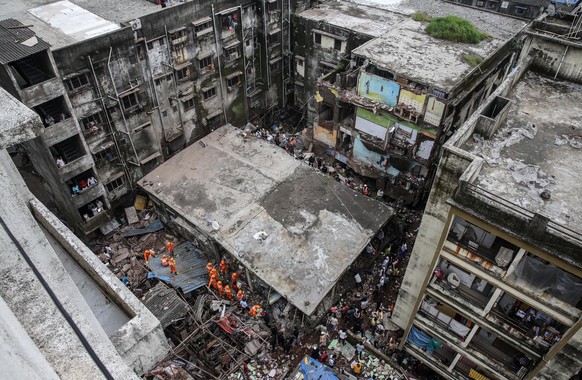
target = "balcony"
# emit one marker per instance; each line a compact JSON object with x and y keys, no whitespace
{"x":180,"y":40}
{"x":43,"y":91}
{"x":75,"y":167}
{"x":85,"y":195}
{"x":60,"y":131}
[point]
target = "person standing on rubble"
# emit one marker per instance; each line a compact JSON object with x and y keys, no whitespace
{"x":209,"y":268}
{"x":170,"y":248}
{"x":342,"y":337}
{"x":219,"y":288}
{"x":173,"y":266}
{"x":147,"y":254}
{"x":223,"y":267}
{"x":234,"y":281}
{"x":228,"y":292}
{"x":255,"y":311}
{"x":212,"y":283}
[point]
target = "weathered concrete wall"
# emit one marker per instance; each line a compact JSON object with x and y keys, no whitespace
{"x":453,"y":164}
{"x":566,"y":362}
{"x":555,"y":58}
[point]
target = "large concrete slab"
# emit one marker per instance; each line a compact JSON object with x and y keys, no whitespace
{"x":315,"y":227}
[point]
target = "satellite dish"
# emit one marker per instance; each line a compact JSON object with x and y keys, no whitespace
{"x":215,"y":225}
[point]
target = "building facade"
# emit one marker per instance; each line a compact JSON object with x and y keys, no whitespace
{"x":385,"y":98}
{"x":117,"y":105}
{"x":494,"y":286}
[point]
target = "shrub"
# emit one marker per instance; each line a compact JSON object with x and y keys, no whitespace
{"x":472,"y":59}
{"x":420,"y":16}
{"x":456,"y":29}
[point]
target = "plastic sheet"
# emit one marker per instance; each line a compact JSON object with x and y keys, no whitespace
{"x":547,"y":277}
{"x":418,"y":338}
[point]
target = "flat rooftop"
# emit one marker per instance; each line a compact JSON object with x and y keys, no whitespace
{"x":371,"y":21}
{"x":524,"y":161}
{"x":62,"y":23}
{"x":406,"y":49}
{"x":315,"y":227}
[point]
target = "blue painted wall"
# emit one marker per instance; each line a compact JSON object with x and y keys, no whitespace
{"x":379,"y":89}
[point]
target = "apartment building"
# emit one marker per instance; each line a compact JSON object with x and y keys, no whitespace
{"x":121,"y":89}
{"x":494,"y":286}
{"x":392,"y":94}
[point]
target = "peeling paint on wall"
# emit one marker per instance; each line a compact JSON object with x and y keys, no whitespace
{"x":324,"y":135}
{"x":379,"y":89}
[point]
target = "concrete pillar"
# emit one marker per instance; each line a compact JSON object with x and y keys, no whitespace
{"x":470,"y":336}
{"x":454,"y":362}
{"x":494,"y":297}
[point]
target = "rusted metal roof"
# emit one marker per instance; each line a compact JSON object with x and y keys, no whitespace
{"x":18,"y":41}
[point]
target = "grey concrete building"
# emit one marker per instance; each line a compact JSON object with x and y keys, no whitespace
{"x":494,"y":285}
{"x":295,"y":230}
{"x":64,"y":314}
{"x":134,"y":83}
{"x":392,"y":94}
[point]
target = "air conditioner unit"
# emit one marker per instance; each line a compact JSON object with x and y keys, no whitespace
{"x":135,"y":24}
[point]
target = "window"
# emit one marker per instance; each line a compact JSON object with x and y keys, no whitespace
{"x":317,"y":37}
{"x":205,"y":62}
{"x":299,"y":62}
{"x":189,"y":104}
{"x":150,"y":45}
{"x":276,"y":66}
{"x":520,"y":11}
{"x":105,"y":155}
{"x":234,"y":81}
{"x":337,"y":45}
{"x":231,"y":53}
{"x":210,"y":93}
{"x":114,"y":184}
{"x":158,"y":82}
{"x":183,"y":73}
{"x":129,"y":101}
{"x":203,"y":26}
{"x":92,"y":120}
{"x":162,"y":42}
{"x":78,"y":81}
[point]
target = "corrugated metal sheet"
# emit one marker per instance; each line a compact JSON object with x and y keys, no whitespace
{"x":165,"y":304}
{"x":191,"y":267}
{"x":12,"y":34}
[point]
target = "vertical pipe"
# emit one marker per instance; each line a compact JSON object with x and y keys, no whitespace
{"x":216,"y":38}
{"x":104,"y":106}
{"x":171,"y":62}
{"x":121,"y":107}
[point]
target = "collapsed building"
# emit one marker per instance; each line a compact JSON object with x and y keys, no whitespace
{"x":386,"y":95}
{"x":494,"y":285}
{"x":294,"y":230}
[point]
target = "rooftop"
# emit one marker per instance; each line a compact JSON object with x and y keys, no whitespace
{"x":359,"y":18}
{"x":406,"y":49}
{"x":62,"y":23}
{"x":538,"y":149}
{"x":314,"y":227}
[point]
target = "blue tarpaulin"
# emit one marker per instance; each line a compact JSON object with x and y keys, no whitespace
{"x":418,"y":338}
{"x":311,"y":369}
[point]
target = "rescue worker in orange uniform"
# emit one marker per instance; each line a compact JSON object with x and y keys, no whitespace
{"x":147,"y":254}
{"x":173,"y":266}
{"x":212,"y":282}
{"x":255,"y":311}
{"x":223,"y":267}
{"x":209,"y":267}
{"x":234,"y":279}
{"x":220,"y":288}
{"x":214,"y":272}
{"x":240,"y":295}
{"x":228,"y":292}
{"x":170,"y":247}
{"x":164,"y":260}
